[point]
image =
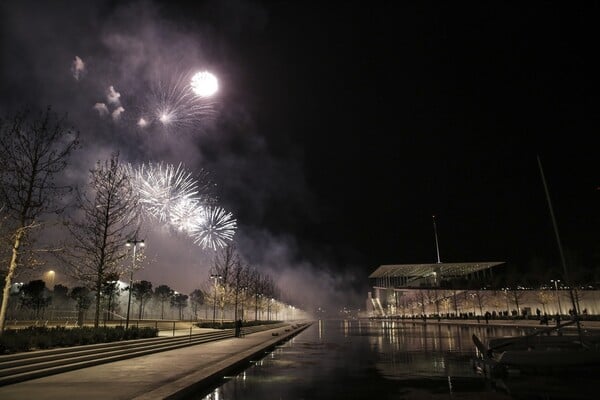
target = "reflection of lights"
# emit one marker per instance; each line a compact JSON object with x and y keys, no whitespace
{"x":320,"y":329}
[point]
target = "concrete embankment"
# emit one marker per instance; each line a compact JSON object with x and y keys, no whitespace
{"x":168,"y":375}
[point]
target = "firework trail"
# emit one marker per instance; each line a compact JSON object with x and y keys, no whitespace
{"x":214,"y":229}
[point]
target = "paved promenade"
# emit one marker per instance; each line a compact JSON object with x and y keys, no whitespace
{"x":170,"y":374}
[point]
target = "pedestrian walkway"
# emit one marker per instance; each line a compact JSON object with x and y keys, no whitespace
{"x":170,"y":374}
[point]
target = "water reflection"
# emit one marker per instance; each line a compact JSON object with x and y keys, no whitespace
{"x":355,"y":359}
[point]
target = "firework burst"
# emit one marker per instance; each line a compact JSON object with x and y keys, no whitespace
{"x":186,"y":215}
{"x":214,"y":229}
{"x":172,"y":196}
{"x":182,"y":103}
{"x":204,"y":84}
{"x":162,"y":188}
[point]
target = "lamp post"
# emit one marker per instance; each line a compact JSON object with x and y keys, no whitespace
{"x":269,"y":309}
{"x":50,"y":278}
{"x":215,"y":277}
{"x":555,"y":281}
{"x":132,"y":242}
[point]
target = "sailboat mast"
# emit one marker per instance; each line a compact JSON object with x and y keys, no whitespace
{"x":437,"y":245}
{"x":560,"y":249}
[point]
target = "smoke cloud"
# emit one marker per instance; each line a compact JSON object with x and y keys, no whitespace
{"x":101,"y":109}
{"x":112,"y":96}
{"x":77,"y":68}
{"x":116,"y":114}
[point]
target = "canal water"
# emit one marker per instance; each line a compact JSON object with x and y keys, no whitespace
{"x":360,"y":359}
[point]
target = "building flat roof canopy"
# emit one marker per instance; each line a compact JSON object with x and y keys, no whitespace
{"x":422,"y":270}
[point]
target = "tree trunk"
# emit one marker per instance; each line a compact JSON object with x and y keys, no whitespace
{"x":98,"y":299}
{"x":8,"y":280}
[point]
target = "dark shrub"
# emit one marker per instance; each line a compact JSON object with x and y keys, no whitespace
{"x":18,"y":340}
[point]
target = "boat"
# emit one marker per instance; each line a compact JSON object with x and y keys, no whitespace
{"x":541,"y":350}
{"x":544,"y":351}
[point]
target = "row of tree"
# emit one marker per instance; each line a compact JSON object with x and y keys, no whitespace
{"x":442,"y":301}
{"x":236,"y":288}
{"x":99,"y":218}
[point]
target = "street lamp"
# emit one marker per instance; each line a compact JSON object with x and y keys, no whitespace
{"x":269,"y":308}
{"x":215,"y":277}
{"x":50,"y":278}
{"x":555,"y":281}
{"x":132,"y":242}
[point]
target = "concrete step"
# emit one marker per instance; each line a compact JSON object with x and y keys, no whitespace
{"x":15,"y":370}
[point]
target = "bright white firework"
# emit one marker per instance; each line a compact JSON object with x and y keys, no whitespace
{"x":170,"y":195}
{"x":215,"y":229}
{"x":175,"y":105}
{"x":162,"y":187}
{"x":186,"y":214}
{"x":204,"y":84}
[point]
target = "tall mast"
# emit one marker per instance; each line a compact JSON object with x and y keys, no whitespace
{"x":437,"y":245}
{"x":560,"y":249}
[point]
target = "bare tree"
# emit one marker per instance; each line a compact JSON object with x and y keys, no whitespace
{"x":544,"y":297}
{"x":224,"y":265}
{"x":433,"y":296}
{"x":255,"y":289}
{"x":239,"y":282}
{"x":33,"y":151}
{"x":108,"y":215}
{"x":515,"y":295}
{"x":422,"y":300}
{"x":481,"y":298}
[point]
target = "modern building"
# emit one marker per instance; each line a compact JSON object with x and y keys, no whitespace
{"x":402,"y":289}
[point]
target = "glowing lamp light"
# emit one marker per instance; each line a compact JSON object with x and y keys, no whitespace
{"x":204,"y":84}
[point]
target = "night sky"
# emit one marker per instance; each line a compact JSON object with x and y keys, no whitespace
{"x":343,"y":126}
